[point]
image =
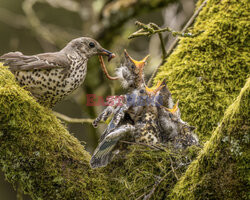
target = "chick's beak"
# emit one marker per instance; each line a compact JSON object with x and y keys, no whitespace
{"x":174,"y":109}
{"x":138,"y":64}
{"x":155,"y":89}
{"x":107,"y":53}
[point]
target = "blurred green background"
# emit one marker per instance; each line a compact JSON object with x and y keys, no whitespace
{"x":36,"y":26}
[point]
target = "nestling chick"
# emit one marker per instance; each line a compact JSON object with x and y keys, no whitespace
{"x":131,"y":108}
{"x":150,"y":122}
{"x":130,"y":73}
{"x":174,"y":130}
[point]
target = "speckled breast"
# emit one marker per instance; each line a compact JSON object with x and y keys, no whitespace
{"x":50,"y":86}
{"x":147,"y":129}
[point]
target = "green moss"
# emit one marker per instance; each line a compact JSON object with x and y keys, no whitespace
{"x":221,"y":171}
{"x":37,"y":152}
{"x":136,"y":172}
{"x":207,"y":72}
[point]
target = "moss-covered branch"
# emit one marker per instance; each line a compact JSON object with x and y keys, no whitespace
{"x":37,"y":152}
{"x":222,"y":169}
{"x":206,"y":73}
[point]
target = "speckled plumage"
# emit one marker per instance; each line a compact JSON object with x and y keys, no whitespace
{"x":52,"y":76}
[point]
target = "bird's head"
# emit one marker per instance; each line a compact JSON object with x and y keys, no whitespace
{"x":136,"y":67}
{"x":178,"y":131}
{"x":89,"y":47}
{"x":131,"y":71}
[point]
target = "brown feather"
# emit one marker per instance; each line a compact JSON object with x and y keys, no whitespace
{"x":19,"y":62}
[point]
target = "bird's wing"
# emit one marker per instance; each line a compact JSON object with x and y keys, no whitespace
{"x":19,"y":62}
{"x":103,"y":153}
{"x":119,"y":113}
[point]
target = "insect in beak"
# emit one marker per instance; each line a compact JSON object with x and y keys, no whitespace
{"x":104,"y":69}
{"x":107,"y":53}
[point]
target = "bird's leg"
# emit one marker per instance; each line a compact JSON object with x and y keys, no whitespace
{"x":104,"y":115}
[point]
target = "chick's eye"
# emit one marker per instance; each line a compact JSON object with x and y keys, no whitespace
{"x":142,"y":91}
{"x":91,"y":45}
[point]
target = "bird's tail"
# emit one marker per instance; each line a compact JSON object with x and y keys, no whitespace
{"x":17,"y":61}
{"x":103,"y":153}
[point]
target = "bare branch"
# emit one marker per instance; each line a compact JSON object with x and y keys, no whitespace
{"x":70,"y":5}
{"x":171,"y":48}
{"x":72,"y":120}
{"x":151,"y":29}
{"x":163,"y":49}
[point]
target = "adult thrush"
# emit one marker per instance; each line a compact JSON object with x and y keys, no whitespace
{"x":52,"y":76}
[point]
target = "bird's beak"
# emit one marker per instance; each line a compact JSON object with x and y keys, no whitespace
{"x":107,"y":53}
{"x":174,"y":109}
{"x":139,"y":64}
{"x":153,"y":90}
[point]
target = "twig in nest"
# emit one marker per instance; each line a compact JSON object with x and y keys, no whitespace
{"x":157,"y":182}
{"x":72,"y":120}
{"x":105,"y":70}
{"x":145,"y":145}
{"x":144,"y":188}
{"x":173,"y":170}
{"x":149,"y":195}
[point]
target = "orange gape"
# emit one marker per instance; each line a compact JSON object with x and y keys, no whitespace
{"x":105,"y":70}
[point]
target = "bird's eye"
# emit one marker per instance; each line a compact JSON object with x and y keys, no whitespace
{"x":142,"y":91}
{"x":91,"y":45}
{"x":132,"y":66}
